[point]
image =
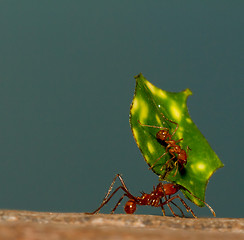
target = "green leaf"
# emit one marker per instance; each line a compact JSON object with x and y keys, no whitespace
{"x":148,"y":105}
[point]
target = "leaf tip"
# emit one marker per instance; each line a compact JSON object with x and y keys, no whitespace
{"x":188,"y":92}
{"x":138,"y":76}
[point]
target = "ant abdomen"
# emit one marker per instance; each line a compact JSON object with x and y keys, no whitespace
{"x":130,"y":206}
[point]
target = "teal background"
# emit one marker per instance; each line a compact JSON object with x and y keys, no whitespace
{"x":66,"y":84}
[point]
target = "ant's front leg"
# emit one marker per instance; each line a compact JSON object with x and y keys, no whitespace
{"x":152,"y":126}
{"x":162,"y":207}
{"x":166,"y":164}
{"x":166,"y":151}
{"x":157,"y":160}
{"x":183,"y":202}
{"x":187,"y":148}
{"x":170,"y":208}
{"x":177,"y":125}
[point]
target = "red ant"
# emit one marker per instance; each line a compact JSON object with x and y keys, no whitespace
{"x":153,"y":199}
{"x":165,"y":138}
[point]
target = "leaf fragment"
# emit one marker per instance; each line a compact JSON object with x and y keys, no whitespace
{"x":148,"y":105}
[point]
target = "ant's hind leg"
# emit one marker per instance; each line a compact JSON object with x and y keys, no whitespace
{"x":118,"y":203}
{"x":109,"y":195}
{"x":112,"y":184}
{"x":105,"y":201}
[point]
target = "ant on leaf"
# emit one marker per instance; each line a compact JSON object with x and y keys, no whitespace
{"x":171,"y":146}
{"x":160,"y":196}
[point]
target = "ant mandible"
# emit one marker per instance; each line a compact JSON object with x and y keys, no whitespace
{"x":153,"y":199}
{"x":172,"y":147}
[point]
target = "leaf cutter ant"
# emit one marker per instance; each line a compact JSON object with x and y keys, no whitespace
{"x":171,"y":145}
{"x":160,"y":196}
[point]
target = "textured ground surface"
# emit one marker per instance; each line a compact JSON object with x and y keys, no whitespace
{"x":54,"y":226}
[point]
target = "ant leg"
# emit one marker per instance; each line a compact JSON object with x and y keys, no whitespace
{"x":122,"y":182}
{"x":158,"y":160}
{"x":170,"y":208}
{"x":177,"y":166}
{"x":187,"y":149}
{"x":162,"y":207}
{"x":183,"y":202}
{"x":167,"y":161}
{"x":179,"y":209}
{"x":212,"y":211}
{"x":111,"y":186}
{"x":166,"y":151}
{"x":186,"y":206}
{"x":177,"y":125}
{"x":108,"y":199}
{"x":161,"y":203}
{"x":152,"y":126}
{"x":117,"y":204}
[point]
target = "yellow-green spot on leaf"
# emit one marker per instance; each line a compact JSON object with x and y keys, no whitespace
{"x":180,"y":129}
{"x":146,"y":156}
{"x":150,"y":147}
{"x":158,"y":119}
{"x":144,"y":110}
{"x":179,"y":133}
{"x":188,"y":120}
{"x":135,"y":105}
{"x":151,"y":87}
{"x":201,"y":166}
{"x":148,"y":105}
{"x":135,"y":133}
{"x":162,"y":94}
{"x":176,"y":113}
{"x":198,"y":167}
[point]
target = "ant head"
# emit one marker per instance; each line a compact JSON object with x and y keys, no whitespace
{"x":182,"y":162}
{"x":130,"y":206}
{"x":162,"y":134}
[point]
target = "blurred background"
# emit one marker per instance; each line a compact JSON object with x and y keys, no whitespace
{"x":66,"y":84}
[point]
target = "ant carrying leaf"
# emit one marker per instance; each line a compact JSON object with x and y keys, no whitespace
{"x":159,"y":197}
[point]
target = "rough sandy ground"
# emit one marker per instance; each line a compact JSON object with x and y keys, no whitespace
{"x":54,"y":226}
